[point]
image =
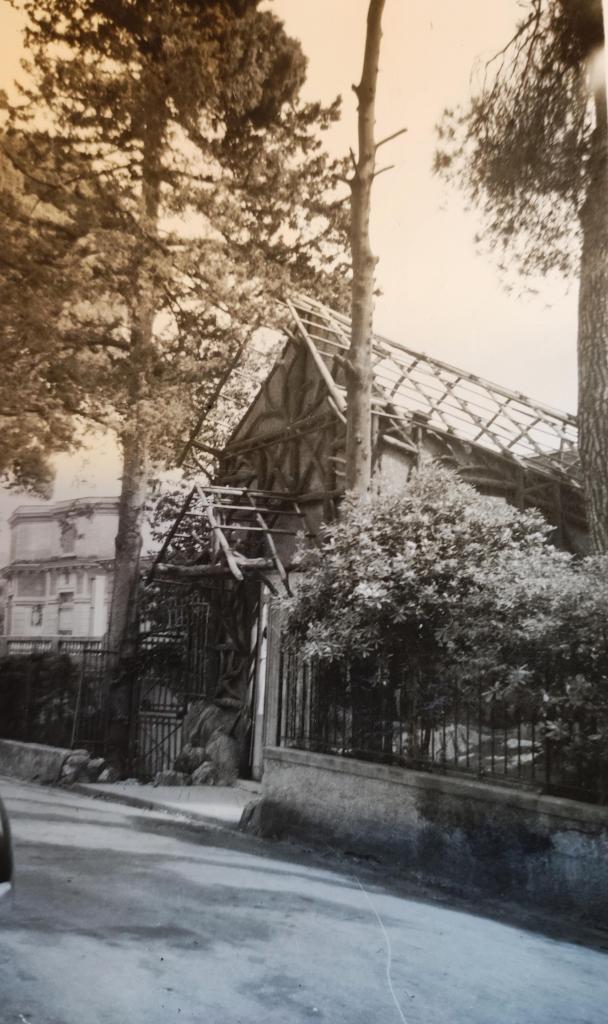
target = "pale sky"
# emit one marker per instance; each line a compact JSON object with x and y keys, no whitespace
{"x":438,"y":294}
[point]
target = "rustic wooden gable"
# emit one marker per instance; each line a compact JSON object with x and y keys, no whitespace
{"x":289,"y":446}
{"x":292,"y":437}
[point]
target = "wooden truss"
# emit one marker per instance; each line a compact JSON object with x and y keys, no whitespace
{"x":287,"y":454}
{"x":229,"y":531}
{"x":412,"y":388}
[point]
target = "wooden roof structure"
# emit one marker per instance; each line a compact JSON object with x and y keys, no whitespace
{"x":282,"y":469}
{"x":410,"y":385}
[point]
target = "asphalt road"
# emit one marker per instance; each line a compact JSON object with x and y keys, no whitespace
{"x":125,"y":917}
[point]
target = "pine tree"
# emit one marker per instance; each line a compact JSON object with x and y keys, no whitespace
{"x":190,"y":192}
{"x":33,"y":420}
{"x":531,"y":150}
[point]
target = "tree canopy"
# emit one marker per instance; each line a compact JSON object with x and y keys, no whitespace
{"x":32,"y":415}
{"x":237,"y":182}
{"x":190,"y":191}
{"x":531,"y":150}
{"x":521,"y":147}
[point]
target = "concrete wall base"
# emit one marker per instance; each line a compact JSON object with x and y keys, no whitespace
{"x":33,"y":762}
{"x":537,"y":850}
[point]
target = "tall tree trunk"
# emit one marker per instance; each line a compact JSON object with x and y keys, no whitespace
{"x":123,"y":625}
{"x":134,"y":488}
{"x":359,"y":374}
{"x":122,"y":631}
{"x":593,"y":335}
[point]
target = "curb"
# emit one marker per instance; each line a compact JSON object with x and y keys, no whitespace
{"x":195,"y":817}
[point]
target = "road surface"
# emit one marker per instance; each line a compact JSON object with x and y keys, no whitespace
{"x":123,"y":916}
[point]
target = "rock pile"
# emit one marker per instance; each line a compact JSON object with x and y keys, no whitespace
{"x":212,"y":734}
{"x":79,"y":766}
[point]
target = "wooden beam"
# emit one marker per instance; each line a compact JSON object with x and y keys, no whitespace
{"x":223,"y":543}
{"x":194,"y":572}
{"x":272,"y":546}
{"x":318,"y":361}
{"x":410,"y":448}
{"x":330,"y":315}
{"x":287,"y":431}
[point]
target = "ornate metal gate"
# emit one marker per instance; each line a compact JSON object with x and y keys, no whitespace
{"x":175,"y":668}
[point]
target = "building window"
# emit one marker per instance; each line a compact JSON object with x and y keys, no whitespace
{"x":67,"y":538}
{"x":65,"y":616}
{"x":31,"y":584}
{"x":36,"y":615}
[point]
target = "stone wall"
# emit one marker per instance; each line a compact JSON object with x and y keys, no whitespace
{"x":37,"y":762}
{"x":545,"y":851}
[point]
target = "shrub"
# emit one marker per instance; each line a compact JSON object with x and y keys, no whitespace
{"x":393,"y":571}
{"x":38,"y":697}
{"x":452,"y":589}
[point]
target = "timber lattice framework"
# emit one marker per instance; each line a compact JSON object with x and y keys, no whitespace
{"x":289,"y":446}
{"x":501,"y":441}
{"x":217,"y":533}
{"x":409,"y":385}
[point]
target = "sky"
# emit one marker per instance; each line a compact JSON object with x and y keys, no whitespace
{"x":438,"y":293}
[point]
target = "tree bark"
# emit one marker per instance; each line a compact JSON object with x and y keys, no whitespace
{"x":604,"y":5}
{"x":593,"y":335}
{"x":359,"y":373}
{"x":125,"y":593}
{"x":124,"y":608}
{"x":123,"y":614}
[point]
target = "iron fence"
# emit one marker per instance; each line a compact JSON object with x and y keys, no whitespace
{"x":378,"y":714}
{"x":56,"y":695}
{"x":70,"y":692}
{"x":92,"y":708}
{"x":74,"y":646}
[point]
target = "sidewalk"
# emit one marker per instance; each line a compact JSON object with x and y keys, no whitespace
{"x":218,"y":805}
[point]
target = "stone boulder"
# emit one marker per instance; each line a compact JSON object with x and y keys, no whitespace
{"x":74,"y":768}
{"x":204,"y":720}
{"x":189,"y":759}
{"x":251,"y":818}
{"x":79,"y":766}
{"x":205,"y":775}
{"x":224,"y":752}
{"x":213,"y":733}
{"x":95,"y":768}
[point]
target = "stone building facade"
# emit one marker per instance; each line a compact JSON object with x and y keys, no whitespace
{"x":59,"y":578}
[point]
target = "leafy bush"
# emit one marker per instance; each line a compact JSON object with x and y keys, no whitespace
{"x":38,"y":697}
{"x":454,"y":588}
{"x":538,"y":636}
{"x":392,"y":572}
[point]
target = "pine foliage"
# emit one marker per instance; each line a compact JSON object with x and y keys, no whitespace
{"x":166,"y":160}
